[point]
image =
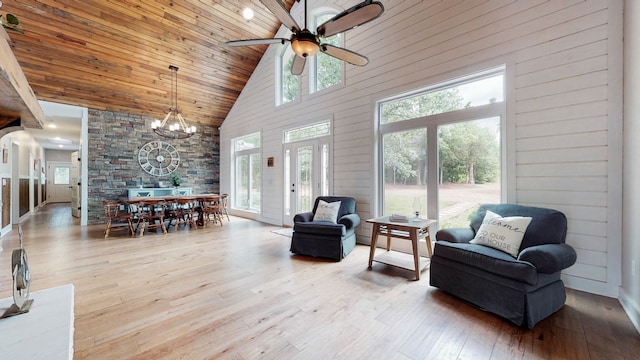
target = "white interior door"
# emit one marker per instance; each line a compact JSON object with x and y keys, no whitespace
{"x":75,"y":184}
{"x":58,"y":181}
{"x":306,"y":174}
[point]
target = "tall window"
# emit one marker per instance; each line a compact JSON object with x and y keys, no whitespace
{"x":441,"y":149}
{"x":325,"y":71}
{"x":247,"y":173}
{"x":287,"y":84}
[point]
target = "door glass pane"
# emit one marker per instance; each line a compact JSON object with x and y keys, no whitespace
{"x":405,"y":172}
{"x":324,"y":180}
{"x":256,"y":181}
{"x":287,"y":182}
{"x":469,"y":169}
{"x":305,"y":178}
{"x":61,"y":175}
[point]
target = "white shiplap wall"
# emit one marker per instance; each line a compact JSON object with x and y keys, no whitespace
{"x":563,"y":129}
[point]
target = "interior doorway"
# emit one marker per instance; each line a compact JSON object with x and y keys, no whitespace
{"x":59,"y":182}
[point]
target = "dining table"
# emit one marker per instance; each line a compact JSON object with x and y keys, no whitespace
{"x":201,"y":216}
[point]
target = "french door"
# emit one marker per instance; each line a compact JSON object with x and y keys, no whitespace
{"x":306,"y":175}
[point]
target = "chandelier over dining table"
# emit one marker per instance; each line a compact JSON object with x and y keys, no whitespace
{"x":173,"y":126}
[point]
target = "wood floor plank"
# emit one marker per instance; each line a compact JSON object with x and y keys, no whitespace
{"x":236,"y":292}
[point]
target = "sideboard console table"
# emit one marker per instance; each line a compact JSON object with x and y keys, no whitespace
{"x":138,"y":192}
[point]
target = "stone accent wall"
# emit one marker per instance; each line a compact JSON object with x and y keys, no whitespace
{"x":113,"y":145}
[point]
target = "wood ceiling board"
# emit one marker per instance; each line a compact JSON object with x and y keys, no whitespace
{"x":114,"y":55}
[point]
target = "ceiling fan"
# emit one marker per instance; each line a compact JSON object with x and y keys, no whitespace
{"x":305,"y":43}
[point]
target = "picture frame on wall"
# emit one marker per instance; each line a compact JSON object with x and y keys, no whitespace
{"x":5,"y":155}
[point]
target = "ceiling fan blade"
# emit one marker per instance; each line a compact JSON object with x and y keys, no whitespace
{"x":251,"y":42}
{"x":345,"y":55}
{"x":355,"y":16}
{"x":298,"y":65}
{"x":276,"y":7}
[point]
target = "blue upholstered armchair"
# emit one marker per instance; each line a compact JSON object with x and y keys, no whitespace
{"x":523,"y":289}
{"x":326,"y":239}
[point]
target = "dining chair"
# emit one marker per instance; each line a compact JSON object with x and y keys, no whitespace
{"x":117,"y":219}
{"x":172,"y":213}
{"x":187,"y":211}
{"x":224,"y":206}
{"x":211,"y":209}
{"x":151,"y":215}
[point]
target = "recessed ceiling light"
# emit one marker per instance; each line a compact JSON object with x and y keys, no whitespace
{"x":58,"y":140}
{"x":247,"y":13}
{"x":52,"y":125}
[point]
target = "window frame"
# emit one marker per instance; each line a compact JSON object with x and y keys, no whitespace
{"x":312,"y":63}
{"x":431,"y":123}
{"x":250,"y":154}
{"x":280,"y":74}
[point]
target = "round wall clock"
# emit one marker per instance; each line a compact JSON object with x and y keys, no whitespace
{"x":158,"y":158}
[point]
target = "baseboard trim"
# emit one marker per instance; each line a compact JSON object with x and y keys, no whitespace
{"x":631,"y":308}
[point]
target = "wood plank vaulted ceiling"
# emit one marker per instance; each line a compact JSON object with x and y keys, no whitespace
{"x":114,"y":55}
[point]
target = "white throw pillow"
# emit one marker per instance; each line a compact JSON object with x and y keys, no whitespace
{"x":502,"y":233}
{"x":327,"y":211}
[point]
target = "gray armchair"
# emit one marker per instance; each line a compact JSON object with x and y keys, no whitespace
{"x":323,"y":238}
{"x":523,"y":290}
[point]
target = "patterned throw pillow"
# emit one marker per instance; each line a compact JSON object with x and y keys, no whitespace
{"x":502,"y":233}
{"x":327,"y":211}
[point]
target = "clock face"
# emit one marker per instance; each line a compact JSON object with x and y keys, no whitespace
{"x":158,"y":158}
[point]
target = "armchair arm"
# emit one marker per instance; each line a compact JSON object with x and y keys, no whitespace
{"x":549,"y":258}
{"x":303,"y":217}
{"x":349,"y":220}
{"x":455,"y":235}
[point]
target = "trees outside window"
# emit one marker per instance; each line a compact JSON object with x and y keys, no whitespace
{"x":440,"y":152}
{"x":326,"y":71}
{"x":288,"y":85}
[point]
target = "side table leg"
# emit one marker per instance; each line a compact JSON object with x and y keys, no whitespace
{"x":374,"y":240}
{"x":427,"y":239}
{"x":416,"y":254}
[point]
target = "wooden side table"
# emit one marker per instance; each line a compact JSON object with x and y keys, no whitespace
{"x":412,"y":230}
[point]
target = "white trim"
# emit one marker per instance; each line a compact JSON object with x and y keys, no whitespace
{"x":615,"y":95}
{"x":630,"y":307}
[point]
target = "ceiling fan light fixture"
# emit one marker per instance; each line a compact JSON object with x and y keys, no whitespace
{"x":305,"y":44}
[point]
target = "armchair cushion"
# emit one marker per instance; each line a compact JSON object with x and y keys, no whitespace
{"x":320,"y":227}
{"x":549,"y":258}
{"x":303,"y":217}
{"x":502,"y":233}
{"x":488,"y":259}
{"x":350,"y":221}
{"x":458,"y":235}
{"x":327,"y":211}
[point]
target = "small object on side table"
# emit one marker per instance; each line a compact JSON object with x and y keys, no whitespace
{"x":21,"y":282}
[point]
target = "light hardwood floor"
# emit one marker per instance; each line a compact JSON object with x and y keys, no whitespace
{"x":235,"y":292}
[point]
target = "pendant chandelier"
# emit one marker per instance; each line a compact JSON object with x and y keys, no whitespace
{"x":173,"y":125}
